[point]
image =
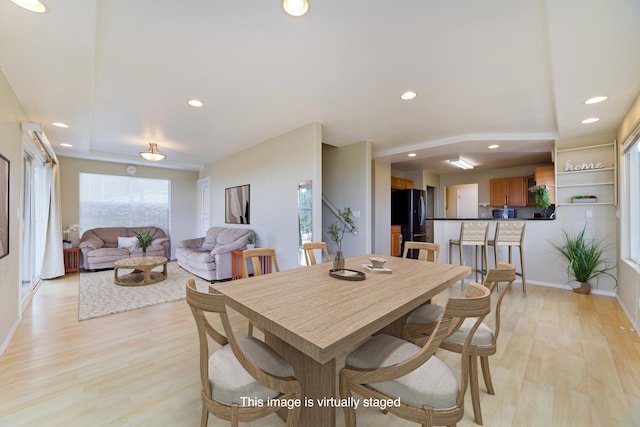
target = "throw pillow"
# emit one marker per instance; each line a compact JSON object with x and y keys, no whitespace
{"x":127,"y":242}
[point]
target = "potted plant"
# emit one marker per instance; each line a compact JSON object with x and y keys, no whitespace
{"x":144,"y":240}
{"x":336,"y":232}
{"x":542,"y":199}
{"x":584,"y":259}
{"x":251,"y":240}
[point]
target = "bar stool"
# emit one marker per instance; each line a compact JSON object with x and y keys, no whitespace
{"x":472,"y":233}
{"x":510,"y":233}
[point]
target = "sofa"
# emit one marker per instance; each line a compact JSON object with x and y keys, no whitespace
{"x":102,"y":247}
{"x":209,"y":257}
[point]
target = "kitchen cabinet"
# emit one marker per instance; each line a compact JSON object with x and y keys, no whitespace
{"x":531,"y":195}
{"x":545,"y":175}
{"x":508,"y":191}
{"x":401,"y":183}
{"x":396,"y":240}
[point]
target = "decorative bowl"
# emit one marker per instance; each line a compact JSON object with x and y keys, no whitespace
{"x":378,"y":262}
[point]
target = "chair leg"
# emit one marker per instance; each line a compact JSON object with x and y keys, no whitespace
{"x":204,"y":419}
{"x":235,"y":419}
{"x":475,"y":389}
{"x":461,"y":262}
{"x":293,"y":417}
{"x":524,"y":280}
{"x":349,"y":411}
{"x":486,"y":374}
{"x":250,"y":332}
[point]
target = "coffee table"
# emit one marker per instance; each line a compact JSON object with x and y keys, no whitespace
{"x":141,"y":274}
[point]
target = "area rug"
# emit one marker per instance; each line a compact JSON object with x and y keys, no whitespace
{"x":99,"y":296}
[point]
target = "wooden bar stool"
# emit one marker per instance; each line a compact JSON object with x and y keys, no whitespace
{"x":510,"y":233}
{"x":472,"y":233}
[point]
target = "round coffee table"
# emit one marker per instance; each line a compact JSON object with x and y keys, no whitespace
{"x":141,"y":274}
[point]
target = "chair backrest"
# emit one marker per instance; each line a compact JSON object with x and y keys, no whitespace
{"x":509,"y":232}
{"x":202,"y":303}
{"x":474,"y":232}
{"x":309,"y":254}
{"x":426,"y":251}
{"x":257,"y":255}
{"x":504,"y":273}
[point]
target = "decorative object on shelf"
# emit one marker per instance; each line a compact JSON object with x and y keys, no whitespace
{"x":584,"y":199}
{"x":346,"y":274}
{"x":236,"y":204}
{"x":145,"y":239}
{"x":336,"y":234}
{"x":377,"y":262}
{"x":66,"y":243}
{"x":152,"y":153}
{"x":584,"y":259}
{"x":251,"y":240}
{"x":542,"y":199}
{"x":568,"y":167}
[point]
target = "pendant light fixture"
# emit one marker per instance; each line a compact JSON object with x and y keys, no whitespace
{"x":295,"y":7}
{"x":153,"y":154}
{"x":31,"y":5}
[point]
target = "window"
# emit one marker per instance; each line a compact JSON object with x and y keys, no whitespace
{"x":123,"y":201}
{"x":305,"y":213}
{"x":631,"y":198}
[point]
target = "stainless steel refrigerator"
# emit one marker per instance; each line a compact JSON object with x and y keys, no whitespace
{"x":408,"y":209}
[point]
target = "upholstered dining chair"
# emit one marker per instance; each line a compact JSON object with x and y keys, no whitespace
{"x":484,"y":341}
{"x":309,"y":252}
{"x":263,"y":260}
{"x":426,"y":251}
{"x":472,"y":233}
{"x":510,"y":234}
{"x":241,"y":368}
{"x":387,"y":367}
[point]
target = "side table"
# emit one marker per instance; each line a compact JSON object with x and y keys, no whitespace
{"x":71,"y":260}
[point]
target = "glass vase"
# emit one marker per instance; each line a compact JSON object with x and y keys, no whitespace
{"x":338,"y":261}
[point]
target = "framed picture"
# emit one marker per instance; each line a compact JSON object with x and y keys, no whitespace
{"x":236,"y":204}
{"x":4,"y":206}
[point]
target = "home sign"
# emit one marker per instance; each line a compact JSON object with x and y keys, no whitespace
{"x":569,"y":167}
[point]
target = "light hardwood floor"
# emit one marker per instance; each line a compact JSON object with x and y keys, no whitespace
{"x":563,"y":360}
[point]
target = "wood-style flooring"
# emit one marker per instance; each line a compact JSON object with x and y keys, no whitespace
{"x":564,"y":360}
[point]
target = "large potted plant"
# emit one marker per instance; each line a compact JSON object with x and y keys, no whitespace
{"x":542,"y":200}
{"x":336,"y":231}
{"x":584,"y":259}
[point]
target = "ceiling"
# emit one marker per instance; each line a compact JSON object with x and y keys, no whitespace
{"x":515,"y":73}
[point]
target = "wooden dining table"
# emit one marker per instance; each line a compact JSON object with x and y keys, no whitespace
{"x":311,"y":318}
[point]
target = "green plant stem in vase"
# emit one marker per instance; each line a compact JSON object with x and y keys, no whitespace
{"x":337,"y":231}
{"x":145,"y":239}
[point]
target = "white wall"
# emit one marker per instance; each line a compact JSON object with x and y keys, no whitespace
{"x":348,"y":183}
{"x":273,"y":169}
{"x":380,"y":207}
{"x":182,"y":197}
{"x":11,"y":116}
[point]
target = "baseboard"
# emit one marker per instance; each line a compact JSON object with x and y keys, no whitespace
{"x":567,"y":287}
{"x":629,"y":316}
{"x":7,"y":340}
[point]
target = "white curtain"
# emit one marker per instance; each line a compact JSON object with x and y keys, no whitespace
{"x":53,"y":262}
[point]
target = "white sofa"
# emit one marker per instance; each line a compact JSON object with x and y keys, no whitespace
{"x":209,"y":257}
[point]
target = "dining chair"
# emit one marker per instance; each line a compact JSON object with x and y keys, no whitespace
{"x":484,"y":341}
{"x":309,"y":252}
{"x":426,"y":251}
{"x":472,"y":233}
{"x":241,"y":368}
{"x":387,"y":367}
{"x":510,"y":234}
{"x":263,"y":261}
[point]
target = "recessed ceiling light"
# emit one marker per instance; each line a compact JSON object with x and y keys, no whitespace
{"x":295,"y":7}
{"x":412,"y":154}
{"x":596,"y":99}
{"x":64,"y":144}
{"x":590,"y":120}
{"x":408,"y":95}
{"x":493,"y":146}
{"x":31,"y":5}
{"x":195,"y":103}
{"x":60,"y":125}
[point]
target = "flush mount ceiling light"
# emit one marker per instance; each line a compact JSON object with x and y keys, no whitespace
{"x":65,"y":144}
{"x":493,"y":146}
{"x":60,"y":125}
{"x":461,"y":163}
{"x":31,"y":5}
{"x":590,"y":120}
{"x":596,"y":99}
{"x":295,"y":7}
{"x":409,"y":95}
{"x":153,"y":154}
{"x":195,"y":103}
{"x":412,"y":154}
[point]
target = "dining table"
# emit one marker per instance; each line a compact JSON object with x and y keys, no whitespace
{"x":312,"y":318}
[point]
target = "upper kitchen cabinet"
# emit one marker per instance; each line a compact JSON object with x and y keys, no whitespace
{"x":401,"y":183}
{"x":545,"y":175}
{"x":508,"y":191}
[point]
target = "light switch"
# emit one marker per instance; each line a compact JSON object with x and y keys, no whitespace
{"x":356,"y":214}
{"x":589,"y":213}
